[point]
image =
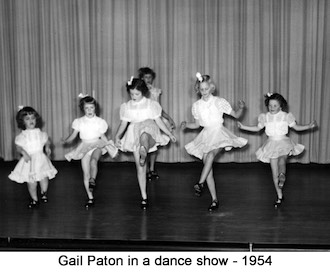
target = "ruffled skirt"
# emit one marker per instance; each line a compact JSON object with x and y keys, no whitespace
{"x":130,"y":142}
{"x":38,"y":168}
{"x":275,"y":148}
{"x":211,"y":138}
{"x":87,"y":147}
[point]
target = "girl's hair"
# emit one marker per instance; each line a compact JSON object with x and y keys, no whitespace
{"x":276,"y":96}
{"x":88,"y":100}
{"x":146,"y":71}
{"x":139,"y":85}
{"x":204,"y":78}
{"x":24,"y":112}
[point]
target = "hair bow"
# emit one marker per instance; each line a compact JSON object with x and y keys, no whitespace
{"x":269,"y":94}
{"x":81,"y":95}
{"x":20,"y":107}
{"x":130,"y":81}
{"x":199,"y":76}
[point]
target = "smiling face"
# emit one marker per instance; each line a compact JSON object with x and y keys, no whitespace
{"x":89,"y":110}
{"x":205,"y":90}
{"x":274,"y":106}
{"x":30,"y":121}
{"x":135,"y":95}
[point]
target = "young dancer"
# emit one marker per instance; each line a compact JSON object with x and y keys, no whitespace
{"x":143,"y":118}
{"x":34,"y":167}
{"x":148,"y":76}
{"x":94,"y":143}
{"x":208,"y":113}
{"x":278,"y":146}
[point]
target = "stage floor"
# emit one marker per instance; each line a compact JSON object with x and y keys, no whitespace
{"x":176,"y":218}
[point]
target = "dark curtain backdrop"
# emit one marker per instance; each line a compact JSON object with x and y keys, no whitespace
{"x":51,"y":50}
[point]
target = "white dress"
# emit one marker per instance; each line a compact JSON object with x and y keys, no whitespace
{"x":39,"y":167}
{"x":90,"y":131}
{"x":214,"y":135}
{"x":278,"y":144}
{"x":141,"y":116}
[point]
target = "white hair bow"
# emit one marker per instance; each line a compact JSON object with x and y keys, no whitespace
{"x":20,"y":107}
{"x":130,"y":81}
{"x":81,"y":95}
{"x":199,"y":76}
{"x":269,"y":94}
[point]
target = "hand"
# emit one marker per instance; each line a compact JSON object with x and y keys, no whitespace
{"x":172,"y":124}
{"x":313,"y":124}
{"x":26,"y":157}
{"x":240,"y":125}
{"x":48,"y":151}
{"x":183,"y":125}
{"x":117,"y":143}
{"x":63,"y":141}
{"x":172,"y":137}
{"x":241,"y":104}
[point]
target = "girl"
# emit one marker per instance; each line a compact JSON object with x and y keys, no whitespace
{"x":208,"y":113}
{"x":278,"y":146}
{"x":91,"y":129}
{"x":34,"y":166}
{"x":142,"y":135}
{"x":148,"y":76}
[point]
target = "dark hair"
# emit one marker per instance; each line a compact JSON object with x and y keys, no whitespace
{"x":88,"y":100}
{"x":27,"y":111}
{"x":146,"y":71}
{"x":276,"y":96}
{"x":205,"y":78}
{"x":138,"y":84}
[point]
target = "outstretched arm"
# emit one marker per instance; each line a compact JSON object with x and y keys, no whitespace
{"x":248,"y":128}
{"x":305,"y":127}
{"x":71,"y":137}
{"x":163,"y":127}
{"x":120,"y":131}
{"x":170,"y":120}
{"x":193,"y":125}
{"x":238,"y":113}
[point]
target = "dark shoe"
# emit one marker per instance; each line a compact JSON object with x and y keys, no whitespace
{"x":143,"y":155}
{"x":214,"y":205}
{"x":44,"y":197}
{"x":152,"y":176}
{"x":33,"y":204}
{"x":144,"y":204}
{"x":278,"y":203}
{"x":91,"y":184}
{"x":90,"y":203}
{"x":281,"y":180}
{"x":198,"y":188}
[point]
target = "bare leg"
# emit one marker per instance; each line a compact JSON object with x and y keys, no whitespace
{"x":274,"y":167}
{"x":152,"y":174}
{"x":208,"y":162}
{"x":44,"y":188}
{"x":96,"y":155}
{"x":32,"y":188}
{"x":146,"y":142}
{"x":85,"y":165}
{"x":282,"y":170}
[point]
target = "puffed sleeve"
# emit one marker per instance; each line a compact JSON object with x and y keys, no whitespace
{"x":194,"y":111}
{"x":156,"y":109}
{"x":261,"y":120}
{"x":103,"y":126}
{"x":123,"y":113}
{"x":291,"y":119}
{"x":76,"y":124}
{"x":223,"y":105}
{"x":20,"y":140}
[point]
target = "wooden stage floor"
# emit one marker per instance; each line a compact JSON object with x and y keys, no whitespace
{"x":176,"y":219}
